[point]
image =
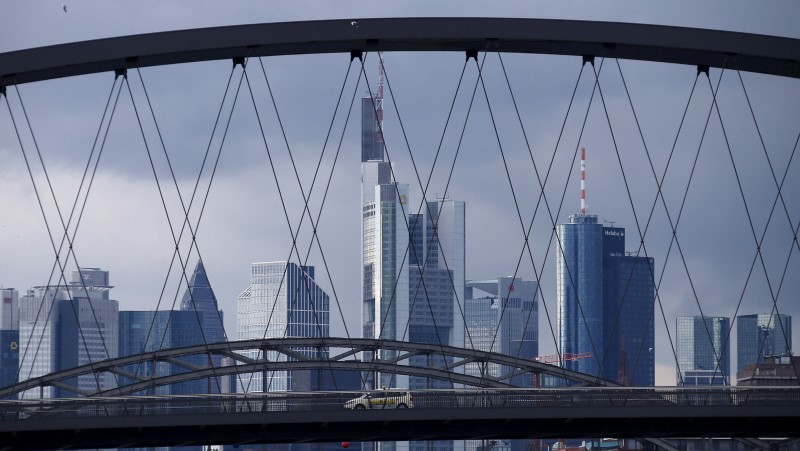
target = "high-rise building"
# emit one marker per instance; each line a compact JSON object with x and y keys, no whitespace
{"x":148,"y":331}
{"x":282,"y":301}
{"x":64,"y":326}
{"x":436,"y":281}
{"x":604,"y":299}
{"x":579,"y":291}
{"x":502,"y":315}
{"x":199,"y":298}
{"x":385,"y":238}
{"x":762,"y":335}
{"x":703,"y":350}
{"x":9,"y":336}
{"x":628,"y":318}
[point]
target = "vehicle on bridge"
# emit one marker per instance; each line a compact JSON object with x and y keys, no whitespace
{"x":382,"y":399}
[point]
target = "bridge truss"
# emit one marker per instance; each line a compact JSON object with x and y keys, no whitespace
{"x":289,"y":359}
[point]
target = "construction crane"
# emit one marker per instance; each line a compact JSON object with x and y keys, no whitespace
{"x":556,"y":358}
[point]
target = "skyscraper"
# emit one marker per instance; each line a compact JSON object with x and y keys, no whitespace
{"x":579,"y":291}
{"x":64,"y":326}
{"x":761,"y":335}
{"x":628,"y":319}
{"x":436,"y":281}
{"x":605,"y":300}
{"x":200,"y":301}
{"x":199,"y":298}
{"x":148,"y":331}
{"x":9,"y":336}
{"x":702,"y":358}
{"x":502,"y":315}
{"x":282,"y":301}
{"x":385,"y":238}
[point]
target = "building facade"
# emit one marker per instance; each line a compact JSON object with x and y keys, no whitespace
{"x":385,"y":301}
{"x":605,"y":299}
{"x":502,"y":315}
{"x":64,"y":326}
{"x":148,"y":331}
{"x":436,"y":281}
{"x":282,"y":301}
{"x":9,"y":337}
{"x":703,"y":350}
{"x":762,"y":335}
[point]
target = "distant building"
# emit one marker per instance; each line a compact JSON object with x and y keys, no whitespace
{"x":502,"y":315}
{"x":385,"y":265}
{"x":703,"y":350}
{"x":762,"y":335}
{"x":605,"y":301}
{"x":282,"y":301}
{"x":9,"y":337}
{"x":200,"y":301}
{"x":148,"y":331}
{"x":64,"y":326}
{"x":436,"y":282}
{"x":774,"y":371}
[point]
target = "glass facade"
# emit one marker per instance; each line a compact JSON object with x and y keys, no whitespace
{"x":199,"y":299}
{"x":628,"y":320}
{"x":282,"y":301}
{"x":761,"y":335}
{"x":605,"y":303}
{"x":579,"y":291}
{"x":9,"y":357}
{"x":502,"y":315}
{"x":384,"y":256}
{"x":702,"y":359}
{"x":148,"y":331}
{"x":65,"y":326}
{"x":9,"y":336}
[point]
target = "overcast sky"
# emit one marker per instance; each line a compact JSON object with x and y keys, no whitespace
{"x":124,"y":228}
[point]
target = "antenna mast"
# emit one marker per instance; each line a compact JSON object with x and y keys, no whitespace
{"x":379,"y":103}
{"x":583,"y":180}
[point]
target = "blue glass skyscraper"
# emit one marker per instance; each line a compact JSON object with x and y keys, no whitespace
{"x":147,"y":331}
{"x":9,"y":336}
{"x":579,"y":291}
{"x":604,"y":303}
{"x":436,"y":281}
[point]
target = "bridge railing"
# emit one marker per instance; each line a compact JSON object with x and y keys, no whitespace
{"x":274,"y":403}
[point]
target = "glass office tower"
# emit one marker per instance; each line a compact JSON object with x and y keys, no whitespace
{"x":436,"y":281}
{"x":702,"y":358}
{"x":605,"y":300}
{"x":629,"y":320}
{"x":9,"y":336}
{"x":579,"y":291}
{"x":282,"y":301}
{"x":761,"y":335}
{"x":502,"y":315}
{"x":199,"y":299}
{"x":148,"y":331}
{"x":384,"y":242}
{"x":64,"y":326}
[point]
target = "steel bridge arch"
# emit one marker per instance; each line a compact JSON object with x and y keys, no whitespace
{"x":286,"y":348}
{"x":692,"y":46}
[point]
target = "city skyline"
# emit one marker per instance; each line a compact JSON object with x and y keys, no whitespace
{"x":718,"y":256}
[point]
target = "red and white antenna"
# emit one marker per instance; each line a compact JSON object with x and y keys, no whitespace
{"x":583,"y":180}
{"x":379,"y":100}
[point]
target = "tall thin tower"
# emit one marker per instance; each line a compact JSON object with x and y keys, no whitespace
{"x":583,"y":180}
{"x":384,"y":239}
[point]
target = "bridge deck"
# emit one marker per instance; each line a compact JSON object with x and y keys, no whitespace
{"x":436,"y":414}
